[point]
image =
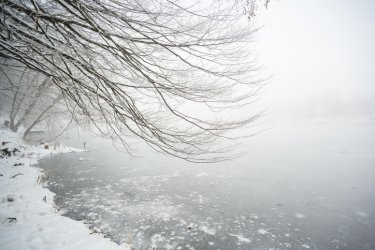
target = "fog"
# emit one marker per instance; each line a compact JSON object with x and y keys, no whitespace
{"x":306,"y":181}
{"x":321,"y":55}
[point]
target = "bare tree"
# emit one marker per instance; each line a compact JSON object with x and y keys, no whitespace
{"x":133,"y":67}
{"x":29,"y":98}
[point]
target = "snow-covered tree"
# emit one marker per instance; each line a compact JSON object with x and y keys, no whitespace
{"x":29,"y":99}
{"x":133,"y":67}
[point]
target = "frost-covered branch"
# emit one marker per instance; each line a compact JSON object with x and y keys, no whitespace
{"x":133,"y":67}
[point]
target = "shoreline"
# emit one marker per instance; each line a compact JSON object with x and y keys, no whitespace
{"x":28,"y":216}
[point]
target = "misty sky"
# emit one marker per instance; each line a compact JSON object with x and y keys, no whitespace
{"x":317,"y":50}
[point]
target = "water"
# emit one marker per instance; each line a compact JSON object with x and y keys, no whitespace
{"x":300,"y":187}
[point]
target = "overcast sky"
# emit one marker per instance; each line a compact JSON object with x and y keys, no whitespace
{"x":317,"y":50}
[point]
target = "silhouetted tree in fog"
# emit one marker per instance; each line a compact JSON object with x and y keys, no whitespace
{"x":133,"y":67}
{"x":29,"y":99}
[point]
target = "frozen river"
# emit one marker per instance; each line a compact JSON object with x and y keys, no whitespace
{"x":300,"y":187}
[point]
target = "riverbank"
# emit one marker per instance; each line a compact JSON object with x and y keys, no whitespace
{"x":306,"y":185}
{"x":28,"y":218}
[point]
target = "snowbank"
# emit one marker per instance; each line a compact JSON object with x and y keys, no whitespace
{"x":28,"y":219}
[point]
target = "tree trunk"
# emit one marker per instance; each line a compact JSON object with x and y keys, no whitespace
{"x":40,"y":116}
{"x":16,"y":106}
{"x":45,"y":84}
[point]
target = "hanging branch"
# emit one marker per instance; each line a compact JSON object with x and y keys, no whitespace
{"x":133,"y":67}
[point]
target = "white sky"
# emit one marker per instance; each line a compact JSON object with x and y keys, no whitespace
{"x":317,"y":49}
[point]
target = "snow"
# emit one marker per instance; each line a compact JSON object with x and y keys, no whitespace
{"x":241,"y":238}
{"x":300,"y":216}
{"x":262,"y":231}
{"x":37,"y":224}
{"x":207,"y":230}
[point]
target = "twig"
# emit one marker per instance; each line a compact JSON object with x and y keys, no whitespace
{"x":11,"y":219}
{"x":16,"y":175}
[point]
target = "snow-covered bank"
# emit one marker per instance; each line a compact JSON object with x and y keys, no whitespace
{"x":28,"y":219}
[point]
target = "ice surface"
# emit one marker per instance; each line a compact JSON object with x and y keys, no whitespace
{"x":295,"y":187}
